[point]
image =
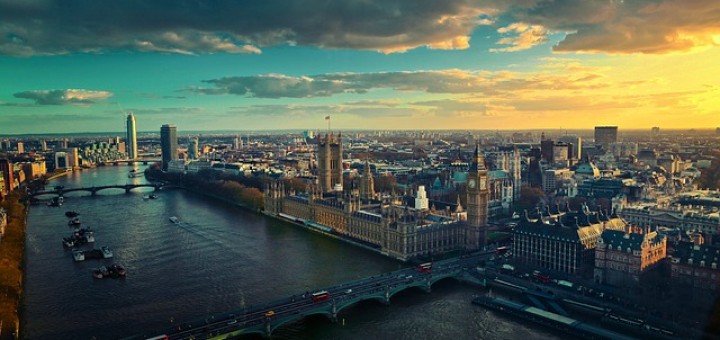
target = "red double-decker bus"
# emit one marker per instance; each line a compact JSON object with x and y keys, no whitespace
{"x":320,"y":296}
{"x":425,"y":267}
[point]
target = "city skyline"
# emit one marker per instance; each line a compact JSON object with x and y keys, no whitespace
{"x":478,"y":65}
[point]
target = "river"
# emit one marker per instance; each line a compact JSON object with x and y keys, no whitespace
{"x":224,"y":258}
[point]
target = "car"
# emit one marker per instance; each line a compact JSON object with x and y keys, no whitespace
{"x":269,"y":313}
{"x":232,"y":322}
{"x":348,"y":291}
{"x":409,"y":277}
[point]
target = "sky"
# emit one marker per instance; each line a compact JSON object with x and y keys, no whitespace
{"x":82,"y":65}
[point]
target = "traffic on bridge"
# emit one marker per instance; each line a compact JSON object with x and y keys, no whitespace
{"x":264,"y":319}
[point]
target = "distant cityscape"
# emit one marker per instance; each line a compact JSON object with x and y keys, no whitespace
{"x":634,"y":214}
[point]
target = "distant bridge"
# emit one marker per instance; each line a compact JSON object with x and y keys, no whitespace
{"x":265,"y":319}
{"x":132,"y":161}
{"x":60,"y":191}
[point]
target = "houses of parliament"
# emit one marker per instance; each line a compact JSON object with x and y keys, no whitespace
{"x":401,"y":227}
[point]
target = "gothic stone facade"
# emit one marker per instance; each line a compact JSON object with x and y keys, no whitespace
{"x":394,"y":230}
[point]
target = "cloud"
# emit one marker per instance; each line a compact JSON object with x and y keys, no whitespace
{"x":526,"y":36}
{"x":64,"y":97}
{"x":44,"y":27}
{"x":320,"y":111}
{"x":441,"y":81}
{"x":619,"y":27}
{"x":190,"y":27}
{"x":459,"y":108}
{"x":167,"y":111}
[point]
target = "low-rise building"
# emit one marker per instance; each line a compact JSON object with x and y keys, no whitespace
{"x":621,"y":257}
{"x":685,"y":217}
{"x":696,"y":265}
{"x":562,"y":241}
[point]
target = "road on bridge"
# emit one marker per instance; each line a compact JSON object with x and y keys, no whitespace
{"x":298,"y":305}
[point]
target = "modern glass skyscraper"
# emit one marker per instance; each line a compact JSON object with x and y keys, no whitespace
{"x":131,"y":137}
{"x":193,"y":148}
{"x":168,"y":144}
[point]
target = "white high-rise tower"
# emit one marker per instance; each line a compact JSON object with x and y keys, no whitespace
{"x":131,"y":137}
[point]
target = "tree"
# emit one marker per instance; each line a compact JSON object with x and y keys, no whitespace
{"x":529,"y":198}
{"x":710,"y":177}
{"x":385,"y":183}
{"x":296,"y":184}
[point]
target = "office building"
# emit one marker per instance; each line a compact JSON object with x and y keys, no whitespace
{"x":575,"y":146}
{"x":621,"y":257}
{"x":561,"y":240}
{"x":193,"y":148}
{"x":694,"y":264}
{"x":606,"y":135}
{"x":168,"y":144}
{"x":6,"y":167}
{"x":20,"y":147}
{"x":131,"y":137}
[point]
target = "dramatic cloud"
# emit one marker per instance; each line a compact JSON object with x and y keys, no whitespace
{"x":191,"y":26}
{"x":188,"y":26}
{"x":617,"y":26}
{"x":444,"y":81}
{"x":64,"y":97}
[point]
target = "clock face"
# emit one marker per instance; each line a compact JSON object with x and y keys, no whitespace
{"x":471,"y":184}
{"x":482,"y":184}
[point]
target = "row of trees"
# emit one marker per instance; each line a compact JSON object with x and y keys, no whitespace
{"x":241,"y":190}
{"x":11,"y":266}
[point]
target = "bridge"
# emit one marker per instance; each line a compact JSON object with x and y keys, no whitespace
{"x":60,"y":191}
{"x":266,"y":318}
{"x":132,"y":161}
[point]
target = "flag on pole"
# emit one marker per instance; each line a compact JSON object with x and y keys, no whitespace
{"x":327,"y":117}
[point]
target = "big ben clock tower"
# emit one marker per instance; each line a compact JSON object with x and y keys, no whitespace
{"x":477,"y":202}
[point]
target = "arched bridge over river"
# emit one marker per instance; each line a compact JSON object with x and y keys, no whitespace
{"x":60,"y":191}
{"x":266,"y":318}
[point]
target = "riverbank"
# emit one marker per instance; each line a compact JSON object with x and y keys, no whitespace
{"x":296,"y":223}
{"x":58,"y":174}
{"x":12,"y":249}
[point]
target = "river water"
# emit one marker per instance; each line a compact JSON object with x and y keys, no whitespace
{"x":222,"y":259}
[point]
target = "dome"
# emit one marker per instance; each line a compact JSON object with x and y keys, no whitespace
{"x":587,"y":169}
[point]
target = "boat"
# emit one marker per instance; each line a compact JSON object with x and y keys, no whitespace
{"x":117,"y":270}
{"x":79,"y":237}
{"x":153,"y":196}
{"x":134,"y":173}
{"x":55,"y":202}
{"x":74,"y":222}
{"x":102,"y":253}
{"x":114,"y":271}
{"x":93,"y":254}
{"x":174,"y":219}
{"x":106,"y":252}
{"x":78,"y":255}
{"x":68,"y":242}
{"x":101,"y":272}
